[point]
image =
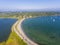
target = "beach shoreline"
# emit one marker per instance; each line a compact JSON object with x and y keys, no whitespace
{"x":21,"y":34}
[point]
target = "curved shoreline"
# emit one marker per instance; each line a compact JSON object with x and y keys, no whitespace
{"x":21,"y":34}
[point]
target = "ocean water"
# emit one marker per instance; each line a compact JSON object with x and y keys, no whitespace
{"x":5,"y":28}
{"x":43,"y":30}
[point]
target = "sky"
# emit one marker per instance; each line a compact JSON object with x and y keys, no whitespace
{"x":29,"y":4}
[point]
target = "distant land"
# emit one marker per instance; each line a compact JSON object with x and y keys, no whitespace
{"x":30,"y":10}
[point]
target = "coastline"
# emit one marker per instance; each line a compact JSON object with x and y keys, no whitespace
{"x":21,"y":34}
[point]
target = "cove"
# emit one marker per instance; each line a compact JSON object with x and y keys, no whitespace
{"x":44,"y":30}
{"x":5,"y":28}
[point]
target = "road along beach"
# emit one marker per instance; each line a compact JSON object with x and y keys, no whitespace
{"x":21,"y":34}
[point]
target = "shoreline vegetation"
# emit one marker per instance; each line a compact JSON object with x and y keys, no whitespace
{"x":18,"y":15}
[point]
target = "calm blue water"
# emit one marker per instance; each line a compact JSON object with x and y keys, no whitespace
{"x":43,"y":30}
{"x":5,"y":28}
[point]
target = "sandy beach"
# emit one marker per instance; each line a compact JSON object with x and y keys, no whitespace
{"x":21,"y":34}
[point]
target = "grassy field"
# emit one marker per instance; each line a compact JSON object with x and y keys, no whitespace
{"x":13,"y":39}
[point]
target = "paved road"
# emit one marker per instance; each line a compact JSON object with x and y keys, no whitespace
{"x":17,"y":28}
